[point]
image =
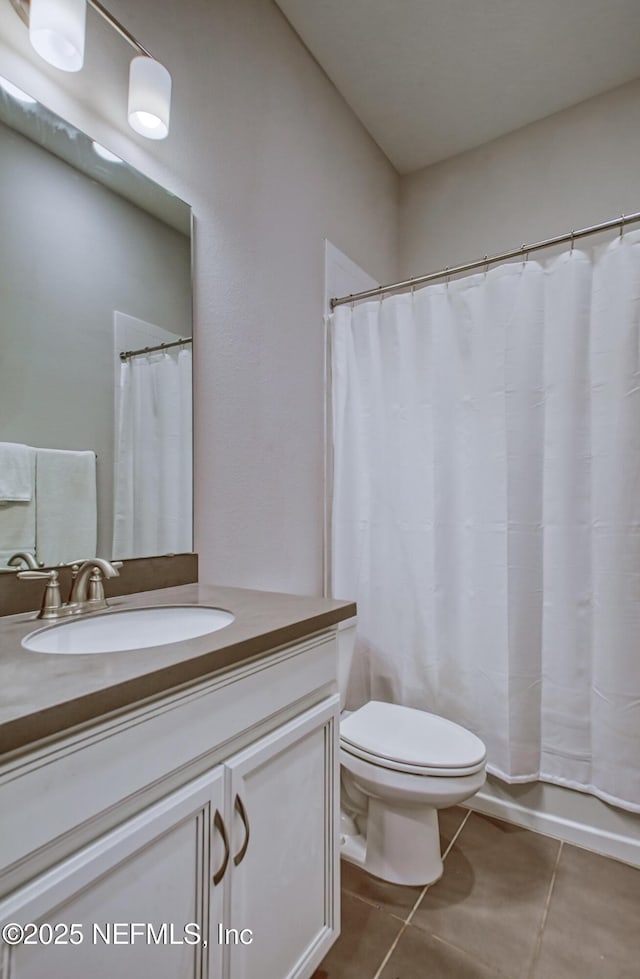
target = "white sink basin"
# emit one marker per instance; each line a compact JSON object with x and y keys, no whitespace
{"x":134,"y":628}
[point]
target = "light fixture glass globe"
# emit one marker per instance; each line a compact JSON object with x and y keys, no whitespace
{"x":57,"y":31}
{"x":149,"y":97}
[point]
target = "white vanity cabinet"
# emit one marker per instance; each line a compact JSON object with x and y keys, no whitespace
{"x":81,"y":918}
{"x":192,"y":838}
{"x":282,"y":882}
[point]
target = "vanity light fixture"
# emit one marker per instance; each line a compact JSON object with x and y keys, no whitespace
{"x":149,"y":97}
{"x":57,"y":32}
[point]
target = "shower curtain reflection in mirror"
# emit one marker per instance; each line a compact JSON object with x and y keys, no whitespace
{"x":153,"y":455}
{"x":486,"y":510}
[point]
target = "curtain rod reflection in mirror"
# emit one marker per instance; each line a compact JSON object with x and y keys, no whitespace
{"x":125,"y":354}
{"x":57,"y":33}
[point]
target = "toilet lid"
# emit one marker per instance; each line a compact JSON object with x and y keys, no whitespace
{"x":411,"y":740}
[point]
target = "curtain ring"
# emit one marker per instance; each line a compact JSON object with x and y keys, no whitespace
{"x":413,"y":285}
{"x":621,"y":224}
{"x":352,"y":304}
{"x":525,"y":253}
{"x":572,"y":242}
{"x":486,"y":264}
{"x":446,"y":269}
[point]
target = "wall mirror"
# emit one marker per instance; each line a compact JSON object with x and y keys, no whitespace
{"x":96,"y":261}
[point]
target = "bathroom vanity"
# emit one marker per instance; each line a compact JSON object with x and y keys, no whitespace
{"x":179,"y":802}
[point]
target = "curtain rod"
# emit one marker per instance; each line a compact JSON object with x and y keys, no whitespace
{"x":516,"y":253}
{"x":125,"y":354}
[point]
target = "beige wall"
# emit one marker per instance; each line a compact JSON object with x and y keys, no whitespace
{"x":272,"y":161}
{"x":570,"y":170}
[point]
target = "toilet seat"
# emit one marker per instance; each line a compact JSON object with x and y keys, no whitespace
{"x":404,"y":739}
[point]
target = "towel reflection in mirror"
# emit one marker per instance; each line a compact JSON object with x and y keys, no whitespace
{"x":48,"y":503}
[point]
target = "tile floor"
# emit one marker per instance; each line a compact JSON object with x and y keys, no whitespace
{"x":512,"y":904}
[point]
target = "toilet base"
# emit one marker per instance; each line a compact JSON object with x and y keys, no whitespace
{"x":395,"y":818}
{"x":401,"y":845}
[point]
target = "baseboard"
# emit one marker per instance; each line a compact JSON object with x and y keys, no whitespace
{"x":620,"y":846}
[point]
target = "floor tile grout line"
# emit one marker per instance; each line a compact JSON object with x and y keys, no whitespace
{"x":545,"y":912}
{"x":392,"y":949}
{"x":370,"y":903}
{"x":406,"y":924}
{"x":469,"y":954}
{"x":457,"y":833}
{"x":404,"y":927}
{"x":444,"y":856}
{"x":417,"y":904}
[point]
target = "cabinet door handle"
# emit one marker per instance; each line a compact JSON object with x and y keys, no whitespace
{"x":219,"y":825}
{"x":242,"y":812}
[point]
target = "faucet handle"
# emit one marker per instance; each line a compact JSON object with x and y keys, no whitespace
{"x":51,"y":601}
{"x":95,"y":592}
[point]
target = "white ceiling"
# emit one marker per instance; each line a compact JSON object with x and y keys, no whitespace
{"x":431,"y":78}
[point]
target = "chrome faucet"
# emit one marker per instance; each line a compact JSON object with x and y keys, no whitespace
{"x":87,"y":591}
{"x":26,"y":557}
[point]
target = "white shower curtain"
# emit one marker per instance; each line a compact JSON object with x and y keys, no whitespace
{"x":486,"y":510}
{"x":153,"y":456}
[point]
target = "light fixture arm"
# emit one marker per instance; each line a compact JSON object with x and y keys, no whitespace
{"x":21,"y":7}
{"x":117,"y":26}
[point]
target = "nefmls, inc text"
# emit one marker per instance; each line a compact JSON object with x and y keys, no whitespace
{"x":145,"y":933}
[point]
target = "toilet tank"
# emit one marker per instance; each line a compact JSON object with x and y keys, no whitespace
{"x":346,"y":646}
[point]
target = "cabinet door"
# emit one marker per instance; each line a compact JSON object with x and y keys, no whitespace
{"x":140,"y":899}
{"x":282,"y":901}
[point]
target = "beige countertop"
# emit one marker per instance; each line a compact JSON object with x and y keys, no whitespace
{"x":42,"y":695}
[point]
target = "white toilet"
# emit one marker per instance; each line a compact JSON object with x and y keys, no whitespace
{"x":398,"y":766}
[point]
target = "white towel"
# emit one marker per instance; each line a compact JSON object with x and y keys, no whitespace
{"x":17,"y":472}
{"x":18,"y":526}
{"x":66,"y":505}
